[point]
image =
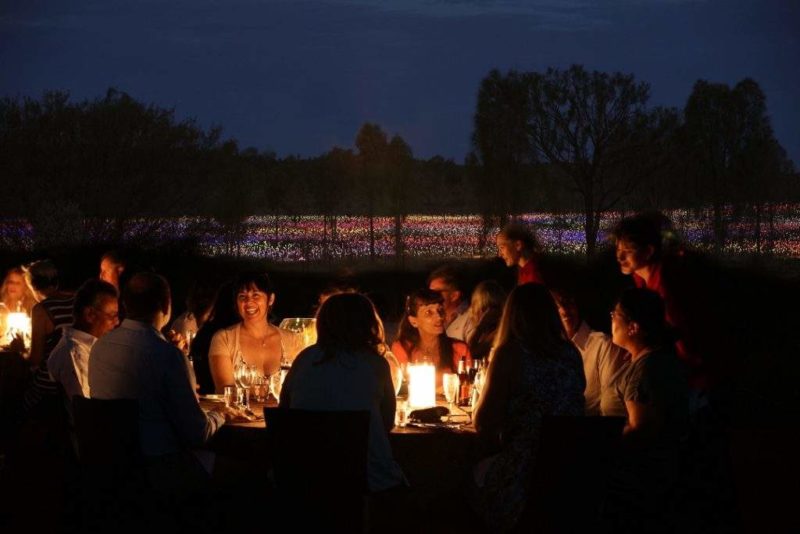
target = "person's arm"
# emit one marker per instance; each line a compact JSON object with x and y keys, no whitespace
{"x":41,"y":327}
{"x":489,"y":415}
{"x":220,"y":361}
{"x":388,"y":404}
{"x":191,"y":423}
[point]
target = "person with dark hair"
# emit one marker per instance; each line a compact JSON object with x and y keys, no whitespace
{"x":518,"y":246}
{"x":252,"y":340}
{"x":199,"y":302}
{"x":485,"y":311}
{"x":135,"y":361}
{"x":603,"y":362}
{"x":96,"y":312}
{"x":641,"y":253}
{"x":422,"y":334}
{"x":447,"y":281}
{"x":345,"y":371}
{"x":223,"y":315}
{"x":51,"y":314}
{"x":656,"y":397}
{"x":112,"y":266}
{"x":654,"y":388}
{"x":534,"y":372}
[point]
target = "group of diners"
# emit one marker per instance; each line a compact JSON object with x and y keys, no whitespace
{"x":542,"y":358}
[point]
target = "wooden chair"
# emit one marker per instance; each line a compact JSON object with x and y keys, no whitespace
{"x":320,"y":467}
{"x":570,"y":473}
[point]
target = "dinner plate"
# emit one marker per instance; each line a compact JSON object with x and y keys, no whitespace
{"x":215,"y":397}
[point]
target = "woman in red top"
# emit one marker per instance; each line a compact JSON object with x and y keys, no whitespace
{"x":518,"y":246}
{"x":421,"y":336}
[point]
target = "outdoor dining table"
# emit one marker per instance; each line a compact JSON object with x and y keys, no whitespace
{"x":435,"y":461}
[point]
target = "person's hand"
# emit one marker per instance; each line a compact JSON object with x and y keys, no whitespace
{"x":230,"y":414}
{"x":177,"y":339}
{"x":17,"y":344}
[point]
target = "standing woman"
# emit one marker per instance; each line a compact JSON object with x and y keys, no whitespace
{"x":519,"y":247}
{"x":535,"y":371}
{"x":422,"y":336}
{"x":252,"y":339}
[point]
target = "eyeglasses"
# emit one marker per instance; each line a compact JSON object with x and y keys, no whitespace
{"x":615,"y":313}
{"x":110,"y":316}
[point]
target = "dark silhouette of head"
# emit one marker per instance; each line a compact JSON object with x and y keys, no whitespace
{"x":349,"y":322}
{"x":530,"y":318}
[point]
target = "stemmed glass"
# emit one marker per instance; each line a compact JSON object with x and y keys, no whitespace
{"x":243,"y":374}
{"x":450,"y":385}
{"x":276,"y":383}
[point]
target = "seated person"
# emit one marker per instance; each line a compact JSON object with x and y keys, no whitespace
{"x":603,"y":362}
{"x":485,"y":309}
{"x":14,"y":292}
{"x":457,"y":320}
{"x":223,"y":315}
{"x":53,"y":311}
{"x":198,"y":309}
{"x":135,"y":361}
{"x":422,"y":335}
{"x":344,"y":371}
{"x":654,"y":388}
{"x":534,"y":372}
{"x":96,"y":313}
{"x":252,"y":340}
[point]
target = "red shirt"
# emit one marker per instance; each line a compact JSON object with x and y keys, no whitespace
{"x":529,"y":273}
{"x":459,"y":349}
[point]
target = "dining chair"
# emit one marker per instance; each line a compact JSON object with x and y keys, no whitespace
{"x":319,"y":462}
{"x":115,"y":492}
{"x":570,"y":473}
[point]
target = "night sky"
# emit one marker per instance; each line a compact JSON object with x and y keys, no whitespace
{"x":298,"y":77}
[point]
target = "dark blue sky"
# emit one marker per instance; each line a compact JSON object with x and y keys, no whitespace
{"x":299,"y":76}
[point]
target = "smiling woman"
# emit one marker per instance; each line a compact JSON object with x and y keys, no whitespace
{"x":252,"y":340}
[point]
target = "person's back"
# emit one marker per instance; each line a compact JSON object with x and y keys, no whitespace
{"x":344,"y":372}
{"x":136,"y":362}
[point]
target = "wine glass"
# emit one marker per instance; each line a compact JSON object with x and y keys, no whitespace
{"x":450,"y":385}
{"x":276,"y":383}
{"x":243,"y":375}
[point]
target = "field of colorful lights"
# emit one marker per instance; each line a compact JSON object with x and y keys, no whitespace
{"x":309,"y":239}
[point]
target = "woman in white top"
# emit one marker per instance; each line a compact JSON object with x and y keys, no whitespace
{"x":253,"y":339}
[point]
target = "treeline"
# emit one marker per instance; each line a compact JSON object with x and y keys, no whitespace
{"x":562,"y":140}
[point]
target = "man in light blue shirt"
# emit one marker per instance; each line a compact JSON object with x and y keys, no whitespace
{"x":135,"y":361}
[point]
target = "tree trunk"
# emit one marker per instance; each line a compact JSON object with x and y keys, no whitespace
{"x":719,"y":227}
{"x":398,"y":240}
{"x":758,"y":227}
{"x":371,"y":238}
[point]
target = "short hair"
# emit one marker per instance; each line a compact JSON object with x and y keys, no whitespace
{"x":449,"y":274}
{"x":348,"y":321}
{"x":520,"y":232}
{"x":646,"y":308}
{"x":146,"y":294}
{"x":253,"y":279}
{"x":42,"y":274}
{"x":115,"y":256}
{"x":643,"y":230}
{"x":90,"y":293}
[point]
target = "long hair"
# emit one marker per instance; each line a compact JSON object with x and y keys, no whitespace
{"x":348,"y":322}
{"x":408,"y":335}
{"x":27,"y":301}
{"x":485,"y":309}
{"x":530,"y":319}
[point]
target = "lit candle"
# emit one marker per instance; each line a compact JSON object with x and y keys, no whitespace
{"x":421,"y":385}
{"x":18,"y":323}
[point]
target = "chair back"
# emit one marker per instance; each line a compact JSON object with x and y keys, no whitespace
{"x":320,"y":466}
{"x":570,"y":472}
{"x":107,"y":435}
